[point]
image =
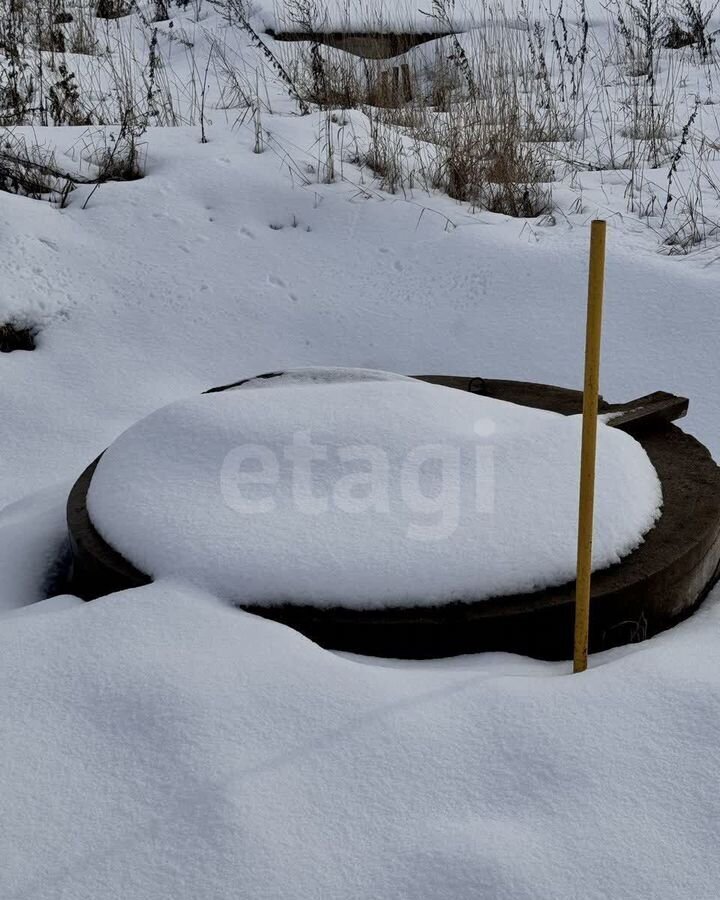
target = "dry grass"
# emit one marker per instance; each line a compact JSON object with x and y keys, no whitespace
{"x":30,"y":171}
{"x":491,"y":117}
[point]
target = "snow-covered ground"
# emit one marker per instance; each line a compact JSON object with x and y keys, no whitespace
{"x":158,"y":744}
{"x":216,"y":266}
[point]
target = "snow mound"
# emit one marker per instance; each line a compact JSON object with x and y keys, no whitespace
{"x":305,"y":375}
{"x":363,"y":490}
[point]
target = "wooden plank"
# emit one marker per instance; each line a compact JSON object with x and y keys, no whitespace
{"x":658,"y":408}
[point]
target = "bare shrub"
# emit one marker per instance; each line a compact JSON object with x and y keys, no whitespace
{"x":333,"y":81}
{"x":694,"y":28}
{"x":307,"y":16}
{"x":238,"y":13}
{"x":686,"y":222}
{"x":442,"y":81}
{"x":112,"y":9}
{"x":30,"y":171}
{"x":676,"y":37}
{"x":17,"y":77}
{"x":488,"y":164}
{"x":516,"y":183}
{"x":16,"y":335}
{"x":487,"y":146}
{"x":80,"y":32}
{"x":641,"y":24}
{"x":64,"y":103}
{"x":117,"y":156}
{"x":385,"y":155}
{"x":236,"y":90}
{"x":162,"y":11}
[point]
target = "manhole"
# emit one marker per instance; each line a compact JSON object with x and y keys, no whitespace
{"x":658,"y":584}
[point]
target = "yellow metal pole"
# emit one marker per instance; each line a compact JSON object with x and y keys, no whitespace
{"x":596,"y":282}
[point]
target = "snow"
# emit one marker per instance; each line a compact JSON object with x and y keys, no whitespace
{"x":33,"y":538}
{"x":159,"y":745}
{"x":357,"y":489}
{"x":361,"y":16}
{"x":167,"y":286}
{"x":384,"y":16}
